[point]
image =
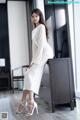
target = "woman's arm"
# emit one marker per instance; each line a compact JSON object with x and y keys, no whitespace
{"x":41,"y":39}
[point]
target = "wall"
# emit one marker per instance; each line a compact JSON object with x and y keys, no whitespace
{"x":60,"y":17}
{"x":18,"y":37}
{"x":73,"y":47}
{"x":2,"y":1}
{"x":39,"y":4}
{"x":50,"y":26}
{"x":74,"y":19}
{"x":77,"y":43}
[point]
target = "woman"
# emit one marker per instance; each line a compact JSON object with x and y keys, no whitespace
{"x":41,"y":52}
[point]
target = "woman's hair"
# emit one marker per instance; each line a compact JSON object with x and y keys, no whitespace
{"x":41,"y":21}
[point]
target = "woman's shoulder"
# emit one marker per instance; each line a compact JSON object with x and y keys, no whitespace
{"x":41,"y":26}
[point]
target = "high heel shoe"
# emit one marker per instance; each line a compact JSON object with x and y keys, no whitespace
{"x":34,"y":107}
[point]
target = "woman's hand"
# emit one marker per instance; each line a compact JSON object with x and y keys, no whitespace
{"x":30,"y":65}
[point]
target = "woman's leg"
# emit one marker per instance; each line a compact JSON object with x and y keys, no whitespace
{"x":32,"y":105}
{"x":31,"y":96}
{"x":22,"y":101}
{"x":24,"y":95}
{"x":31,"y":101}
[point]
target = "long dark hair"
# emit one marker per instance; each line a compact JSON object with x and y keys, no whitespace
{"x":41,"y":21}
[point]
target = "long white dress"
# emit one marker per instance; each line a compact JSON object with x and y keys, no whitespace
{"x":41,"y":52}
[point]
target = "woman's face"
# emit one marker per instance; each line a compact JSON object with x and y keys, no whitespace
{"x":35,"y":18}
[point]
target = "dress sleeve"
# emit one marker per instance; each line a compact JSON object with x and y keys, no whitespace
{"x":41,"y":37}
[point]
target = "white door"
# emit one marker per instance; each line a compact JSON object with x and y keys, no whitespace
{"x":18,"y":33}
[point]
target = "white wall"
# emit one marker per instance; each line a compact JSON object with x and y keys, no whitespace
{"x":73,"y":47}
{"x":60,"y":17}
{"x":50,"y":27}
{"x":18,"y":37}
{"x":77,"y":42}
{"x":40,"y":4}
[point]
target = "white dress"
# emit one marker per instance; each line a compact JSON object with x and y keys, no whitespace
{"x":41,"y":52}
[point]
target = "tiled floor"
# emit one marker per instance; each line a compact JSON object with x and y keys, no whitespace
{"x":9,"y":102}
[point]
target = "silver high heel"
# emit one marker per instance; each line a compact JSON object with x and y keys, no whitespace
{"x":35,"y":107}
